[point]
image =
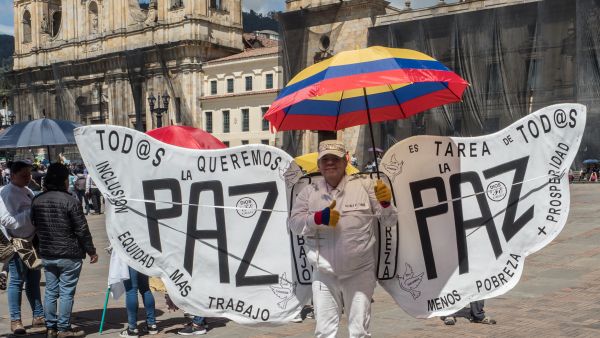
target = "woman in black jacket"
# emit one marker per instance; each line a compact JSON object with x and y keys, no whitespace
{"x":64,"y":239}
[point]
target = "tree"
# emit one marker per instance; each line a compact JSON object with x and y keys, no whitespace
{"x":254,"y":21}
{"x":8,"y":47}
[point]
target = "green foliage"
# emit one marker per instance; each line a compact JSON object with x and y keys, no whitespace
{"x":254,"y":21}
{"x":7,"y":47}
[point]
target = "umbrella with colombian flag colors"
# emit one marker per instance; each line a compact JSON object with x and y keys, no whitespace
{"x":364,"y":86}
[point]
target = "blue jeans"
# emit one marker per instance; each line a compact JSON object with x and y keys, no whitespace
{"x":82,"y":198}
{"x":62,"y":276}
{"x":138,"y":282}
{"x":197,"y":320}
{"x":19,"y":275}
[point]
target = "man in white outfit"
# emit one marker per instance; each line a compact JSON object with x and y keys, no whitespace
{"x":342,"y":242}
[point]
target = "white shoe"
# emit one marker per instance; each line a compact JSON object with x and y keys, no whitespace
{"x":129,"y":333}
{"x":298,"y":318}
{"x":192,"y":329}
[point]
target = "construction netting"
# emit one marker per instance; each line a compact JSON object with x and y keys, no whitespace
{"x":302,"y":46}
{"x":517,"y":58}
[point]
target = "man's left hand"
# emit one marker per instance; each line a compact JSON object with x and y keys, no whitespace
{"x":383,"y":193}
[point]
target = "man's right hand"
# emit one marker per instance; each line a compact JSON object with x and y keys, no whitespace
{"x":93,"y":259}
{"x":328,"y":216}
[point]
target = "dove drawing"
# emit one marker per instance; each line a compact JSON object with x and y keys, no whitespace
{"x":285,"y":290}
{"x":409,"y":282}
{"x":393,"y":167}
{"x":290,"y":173}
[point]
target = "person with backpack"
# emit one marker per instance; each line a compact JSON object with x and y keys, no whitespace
{"x":92,"y":192}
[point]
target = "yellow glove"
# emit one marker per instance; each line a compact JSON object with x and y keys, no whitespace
{"x":328,"y":216}
{"x":383,"y":193}
{"x":334,"y":215}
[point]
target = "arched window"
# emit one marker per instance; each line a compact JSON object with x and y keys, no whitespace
{"x":26,"y":27}
{"x":56,"y":17}
{"x":93,"y":18}
{"x":216,"y":4}
{"x":176,"y":4}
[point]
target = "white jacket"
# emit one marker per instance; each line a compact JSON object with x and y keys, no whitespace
{"x":15,"y":211}
{"x":348,"y":247}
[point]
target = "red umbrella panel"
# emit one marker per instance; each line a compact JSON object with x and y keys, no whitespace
{"x":186,"y":137}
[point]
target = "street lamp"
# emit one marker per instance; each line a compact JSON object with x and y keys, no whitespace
{"x":10,"y":119}
{"x":159,"y":110}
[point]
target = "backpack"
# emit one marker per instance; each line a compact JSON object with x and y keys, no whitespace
{"x":80,"y":182}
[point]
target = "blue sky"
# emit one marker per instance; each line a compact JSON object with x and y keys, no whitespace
{"x":6,"y":17}
{"x":263,"y":6}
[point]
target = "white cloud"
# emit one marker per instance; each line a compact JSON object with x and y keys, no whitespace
{"x":4,"y":29}
{"x":263,"y":6}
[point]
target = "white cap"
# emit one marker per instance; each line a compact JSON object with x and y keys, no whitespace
{"x":332,"y":147}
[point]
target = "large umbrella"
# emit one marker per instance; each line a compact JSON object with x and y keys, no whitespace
{"x":42,"y":132}
{"x":186,"y":137}
{"x":308,"y":163}
{"x":591,"y":161}
{"x":364,"y":86}
{"x":39,"y":133}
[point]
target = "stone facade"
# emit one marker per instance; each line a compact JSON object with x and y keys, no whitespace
{"x":97,"y":61}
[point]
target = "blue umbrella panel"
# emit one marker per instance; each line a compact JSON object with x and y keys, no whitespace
{"x":39,"y":133}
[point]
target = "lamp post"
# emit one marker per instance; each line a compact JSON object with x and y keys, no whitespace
{"x":159,"y":110}
{"x":9,"y":118}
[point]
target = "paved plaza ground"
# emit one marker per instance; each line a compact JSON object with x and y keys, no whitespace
{"x":558,"y":295}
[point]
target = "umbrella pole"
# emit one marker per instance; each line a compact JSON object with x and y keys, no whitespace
{"x":371,"y":130}
{"x":48,"y":149}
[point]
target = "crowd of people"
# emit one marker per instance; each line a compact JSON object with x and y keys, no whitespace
{"x":81,"y":185}
{"x":43,"y":209}
{"x":51,"y":233}
{"x":587,"y":174}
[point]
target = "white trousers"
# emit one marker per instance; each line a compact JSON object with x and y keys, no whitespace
{"x":332,"y":294}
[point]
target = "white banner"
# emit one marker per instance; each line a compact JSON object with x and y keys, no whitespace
{"x":202,"y":220}
{"x":471,"y":209}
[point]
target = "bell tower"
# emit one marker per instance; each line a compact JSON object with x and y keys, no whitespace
{"x":27,"y":20}
{"x":35,"y":23}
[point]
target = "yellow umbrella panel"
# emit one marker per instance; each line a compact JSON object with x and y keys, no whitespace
{"x":308,"y":163}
